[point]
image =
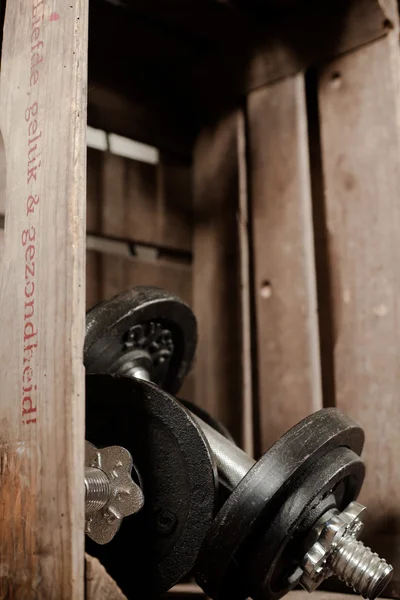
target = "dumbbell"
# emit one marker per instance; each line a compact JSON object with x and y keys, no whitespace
{"x":291,"y":517}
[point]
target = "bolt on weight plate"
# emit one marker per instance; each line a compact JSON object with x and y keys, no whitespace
{"x":272,"y":564}
{"x":157,"y":546}
{"x":264,"y":488}
{"x":144,"y":329}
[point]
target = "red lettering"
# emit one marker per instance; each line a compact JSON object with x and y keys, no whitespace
{"x":30,"y":255}
{"x":29,"y":331}
{"x":27,"y":378}
{"x":28,"y":401}
{"x":29,"y":271}
{"x":30,"y":305}
{"x":35,"y":8}
{"x":37,"y":46}
{"x":29,"y":350}
{"x":32,"y":173}
{"x":28,"y":234}
{"x":34,"y":139}
{"x":31,"y":283}
{"x":31,"y":111}
{"x":34,"y":78}
{"x":35,"y":34}
{"x":36,"y":59}
{"x":30,"y":160}
{"x":32,"y":128}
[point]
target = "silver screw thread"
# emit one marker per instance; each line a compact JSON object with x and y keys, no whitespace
{"x":97,"y":490}
{"x":360,"y":568}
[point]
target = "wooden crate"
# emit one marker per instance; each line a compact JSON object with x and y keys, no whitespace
{"x":262,"y":190}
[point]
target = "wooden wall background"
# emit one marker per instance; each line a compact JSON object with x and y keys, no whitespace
{"x":277,"y":217}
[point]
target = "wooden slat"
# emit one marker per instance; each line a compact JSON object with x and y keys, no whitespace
{"x":175,"y":203}
{"x":43,"y":121}
{"x":2,"y":176}
{"x":257,"y":48}
{"x":98,"y":583}
{"x":146,"y":203}
{"x":246,"y":301}
{"x":359,"y":114}
{"x":216,"y":282}
{"x":288,"y":364}
{"x":109,"y":108}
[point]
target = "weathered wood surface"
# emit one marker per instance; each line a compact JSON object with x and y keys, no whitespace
{"x":246,"y":300}
{"x":359,"y":116}
{"x":145,"y":203}
{"x":216,"y":277}
{"x":98,"y":583}
{"x":288,"y":361}
{"x":43,"y":121}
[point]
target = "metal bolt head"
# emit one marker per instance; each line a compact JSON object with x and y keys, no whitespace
{"x":315,"y":565}
{"x":125,"y":497}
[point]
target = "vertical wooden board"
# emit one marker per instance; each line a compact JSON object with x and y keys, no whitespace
{"x":246,"y":291}
{"x":119,"y":273}
{"x":358,"y":97}
{"x":93,"y":278}
{"x":129,"y":205}
{"x":216,"y":282}
{"x":146,"y":203}
{"x":43,"y":120}
{"x":289,"y":381}
{"x":95,"y":190}
{"x":175,"y":224}
{"x":2,"y":176}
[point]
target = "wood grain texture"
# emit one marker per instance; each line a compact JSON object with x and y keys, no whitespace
{"x":108,"y":107}
{"x":146,"y":203}
{"x":216,"y":275}
{"x":2,"y":176}
{"x":258,"y":46}
{"x":43,"y":122}
{"x":289,"y":379}
{"x":98,"y":583}
{"x":246,"y":300}
{"x":359,"y":114}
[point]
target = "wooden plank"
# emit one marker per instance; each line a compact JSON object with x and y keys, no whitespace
{"x":43,"y":121}
{"x":216,"y":279}
{"x":359,"y":115}
{"x":98,"y":583}
{"x":2,"y":176}
{"x":175,"y":203}
{"x":320,"y":595}
{"x":145,"y":203}
{"x":108,"y":109}
{"x":129,"y":199}
{"x":246,"y":300}
{"x":289,"y":379}
{"x":257,"y":48}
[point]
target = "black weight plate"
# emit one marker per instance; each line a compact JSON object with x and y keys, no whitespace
{"x":156,"y":547}
{"x":151,"y":309}
{"x":264,"y":486}
{"x":273,"y":561}
{"x":207,"y":418}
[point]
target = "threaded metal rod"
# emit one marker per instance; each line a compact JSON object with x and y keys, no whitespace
{"x":360,"y":568}
{"x":352,"y":562}
{"x":97,"y":490}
